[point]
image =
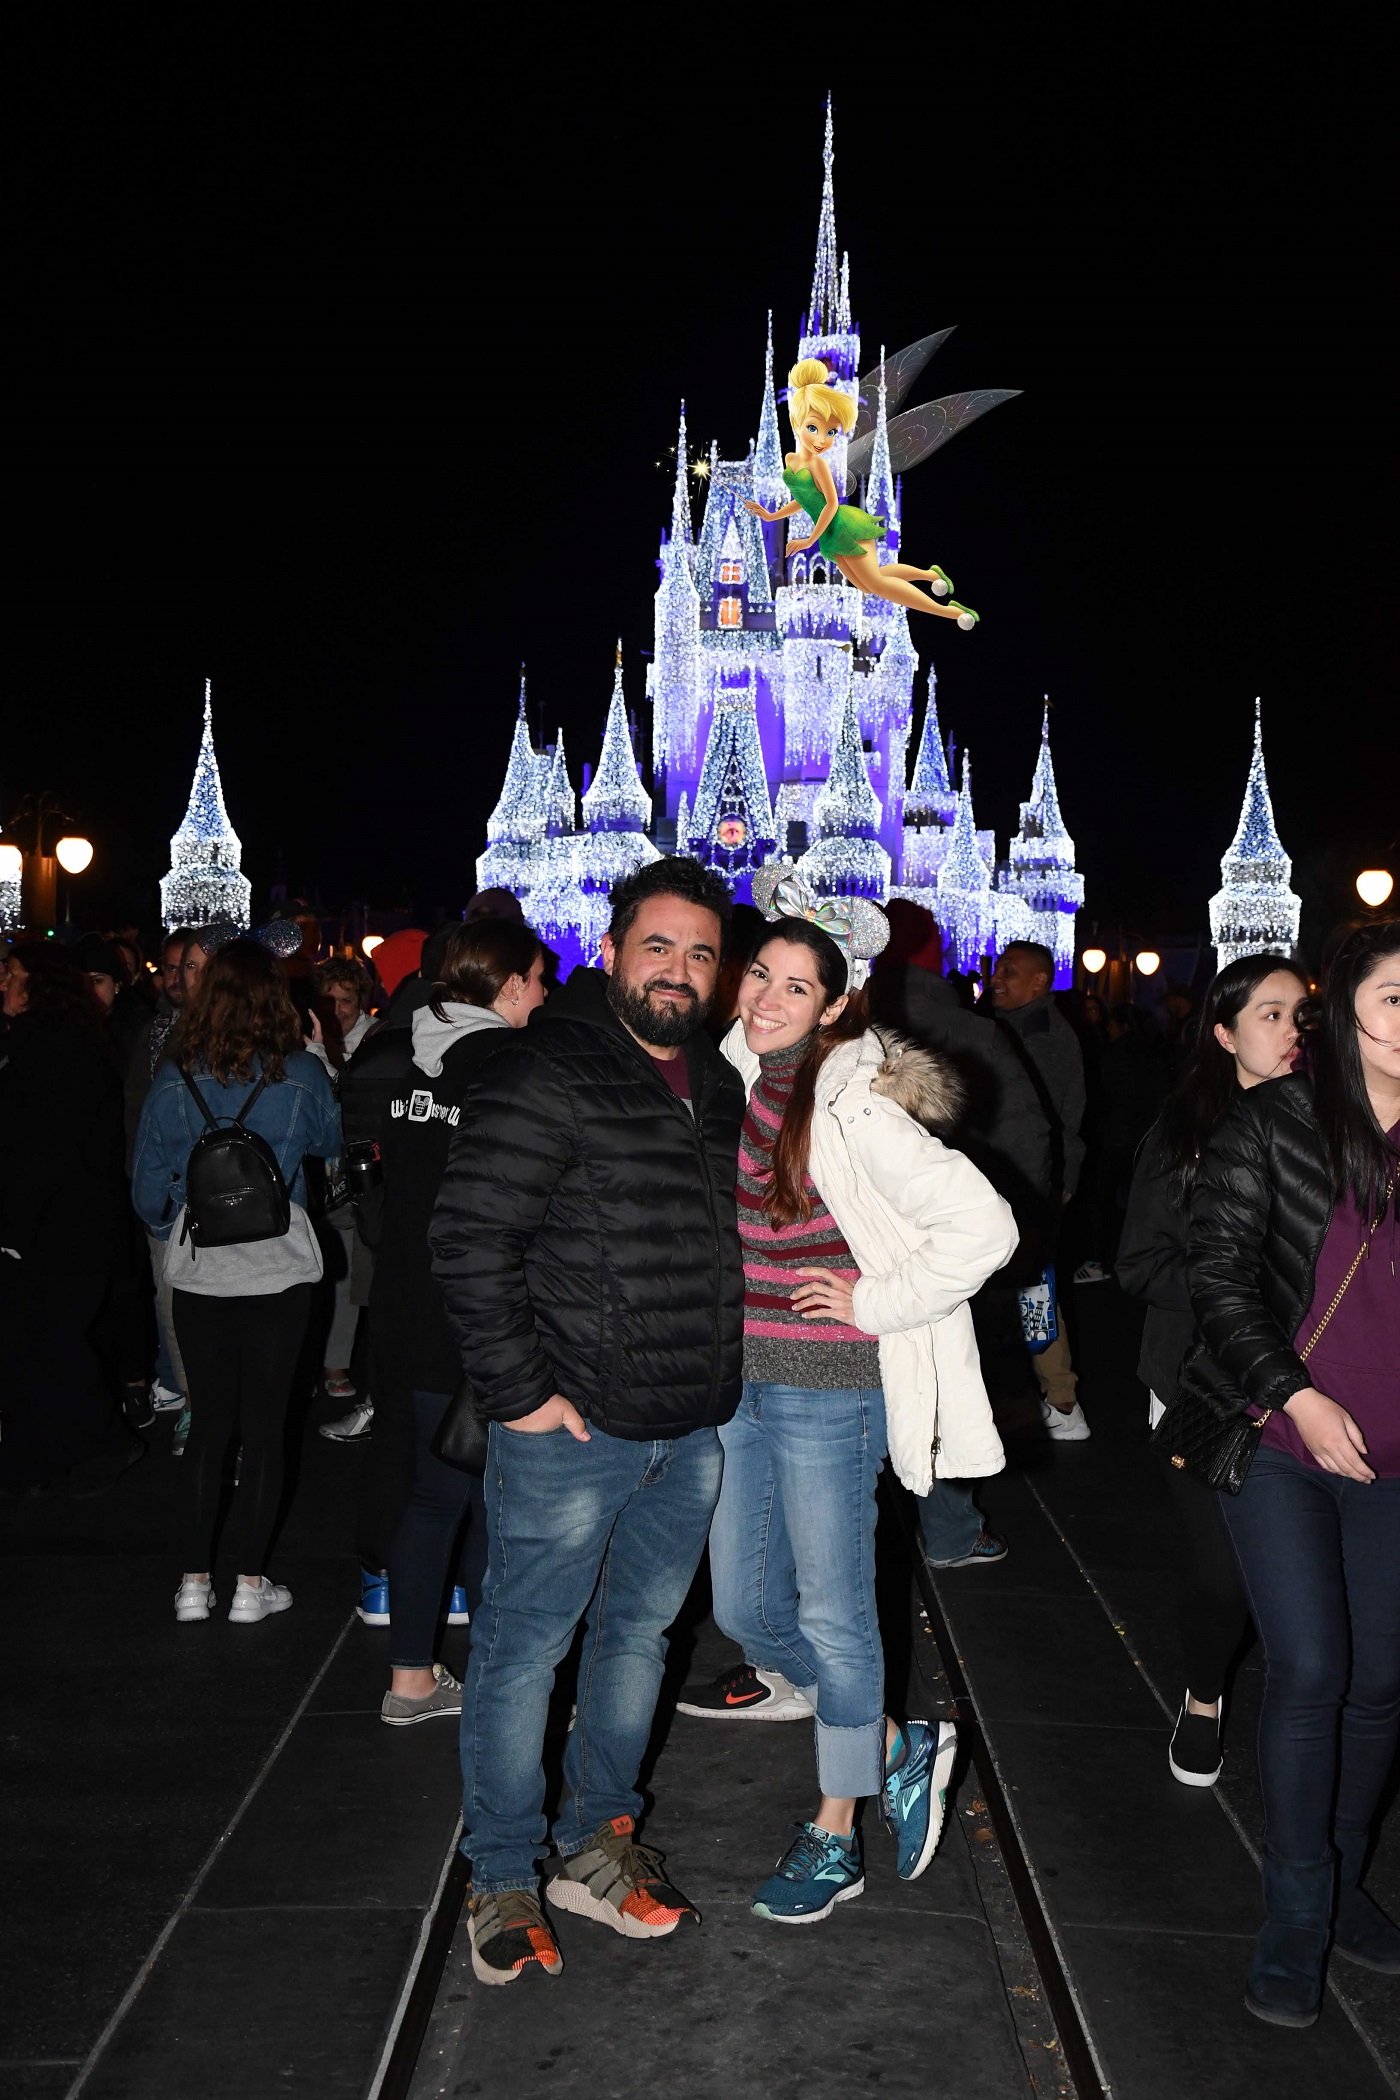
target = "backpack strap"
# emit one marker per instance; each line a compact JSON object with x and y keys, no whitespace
{"x":204,"y":1109}
{"x":262,"y":1082}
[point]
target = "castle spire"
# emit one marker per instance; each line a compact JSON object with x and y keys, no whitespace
{"x":561,"y":819}
{"x":616,"y":799}
{"x":680,"y":499}
{"x":824,"y":315}
{"x":847,"y":806}
{"x":505,"y":819}
{"x":1255,"y":912}
{"x":880,"y":498}
{"x":932,"y":798}
{"x":768,"y":483}
{"x":204,"y":884}
{"x":963,"y":868}
{"x":1044,"y":805}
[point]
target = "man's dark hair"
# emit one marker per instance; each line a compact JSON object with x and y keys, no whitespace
{"x":679,"y":877}
{"x":1040,"y":955}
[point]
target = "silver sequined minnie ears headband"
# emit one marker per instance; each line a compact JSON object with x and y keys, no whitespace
{"x":281,"y":936}
{"x":858,"y":927}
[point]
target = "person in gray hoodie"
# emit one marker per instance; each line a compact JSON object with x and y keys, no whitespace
{"x":492,"y":979}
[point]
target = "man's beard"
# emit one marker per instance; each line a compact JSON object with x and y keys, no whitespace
{"x":664,"y":1026}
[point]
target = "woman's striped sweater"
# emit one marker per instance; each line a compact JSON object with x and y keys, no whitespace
{"x":780,"y":1347}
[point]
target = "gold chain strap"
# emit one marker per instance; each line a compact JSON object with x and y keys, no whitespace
{"x":1356,"y":1264}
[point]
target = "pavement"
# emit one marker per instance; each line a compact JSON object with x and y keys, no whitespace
{"x":221,"y":1868}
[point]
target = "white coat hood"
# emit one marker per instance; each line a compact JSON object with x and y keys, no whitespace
{"x":432,"y":1038}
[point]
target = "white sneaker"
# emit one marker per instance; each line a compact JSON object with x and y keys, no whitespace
{"x":354,"y":1428}
{"x":1091,"y":1272}
{"x":1065,"y":1428}
{"x":746,"y":1693}
{"x":164,"y":1400}
{"x":258,"y":1600}
{"x":193,"y":1600}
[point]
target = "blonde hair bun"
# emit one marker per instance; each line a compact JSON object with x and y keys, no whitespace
{"x":809,"y":371}
{"x":810,"y":387}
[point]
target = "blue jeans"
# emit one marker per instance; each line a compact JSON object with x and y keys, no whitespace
{"x":1320,"y":1557}
{"x":611,"y":1528}
{"x":792,"y":1563}
{"x":950,"y":1520}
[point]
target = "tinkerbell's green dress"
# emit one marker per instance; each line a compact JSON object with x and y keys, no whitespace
{"x":848,"y":530}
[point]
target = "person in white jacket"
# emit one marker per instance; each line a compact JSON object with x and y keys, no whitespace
{"x":864,"y":1236}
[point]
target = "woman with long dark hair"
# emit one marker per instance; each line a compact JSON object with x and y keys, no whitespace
{"x":863,"y":1239}
{"x":64,"y":1219}
{"x":240,"y":1311}
{"x":1246,"y":1034}
{"x":1292,"y":1274}
{"x":493,"y":979}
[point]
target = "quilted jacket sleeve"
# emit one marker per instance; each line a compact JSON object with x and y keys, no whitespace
{"x":514,"y":1143}
{"x":968,"y":1230}
{"x":1230,"y":1211}
{"x":1151,"y":1262}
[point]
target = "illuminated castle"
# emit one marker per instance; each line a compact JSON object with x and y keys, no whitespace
{"x":782,"y":702}
{"x":1254,"y":912}
{"x":204,"y":886}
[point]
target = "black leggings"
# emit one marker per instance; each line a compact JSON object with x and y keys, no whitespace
{"x":425,"y":1544}
{"x":240,"y":1359}
{"x":1213,"y":1611}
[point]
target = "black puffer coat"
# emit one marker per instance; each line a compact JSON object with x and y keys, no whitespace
{"x":1259,"y":1215}
{"x":585,"y":1238}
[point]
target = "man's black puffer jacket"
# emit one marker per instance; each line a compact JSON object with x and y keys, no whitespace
{"x":585,"y":1238}
{"x":1259,"y":1214}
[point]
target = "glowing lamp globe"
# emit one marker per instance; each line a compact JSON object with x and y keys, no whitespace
{"x":1374,"y":885}
{"x":372,"y":941}
{"x":74,"y":855}
{"x":1094,"y":959}
{"x":11,"y":863}
{"x":1147,"y":962}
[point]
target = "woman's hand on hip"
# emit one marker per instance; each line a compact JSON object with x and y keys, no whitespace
{"x":557,"y":1413}
{"x":1330,"y":1434}
{"x":827,"y":1297}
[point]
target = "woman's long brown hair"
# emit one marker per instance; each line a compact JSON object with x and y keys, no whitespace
{"x":786,"y":1200}
{"x":241,"y":1010}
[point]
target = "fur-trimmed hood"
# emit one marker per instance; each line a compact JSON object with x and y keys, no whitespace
{"x":920,"y":1082}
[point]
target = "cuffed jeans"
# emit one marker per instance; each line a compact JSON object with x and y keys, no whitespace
{"x":792,"y":1563}
{"x":1320,"y":1557}
{"x":950,"y":1520}
{"x":611,"y":1528}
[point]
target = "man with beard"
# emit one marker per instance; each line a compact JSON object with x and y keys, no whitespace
{"x":586,"y":1244}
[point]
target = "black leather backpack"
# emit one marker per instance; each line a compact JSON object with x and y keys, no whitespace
{"x":234,"y":1191}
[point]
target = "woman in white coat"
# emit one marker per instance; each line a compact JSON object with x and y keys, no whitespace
{"x":864,"y":1237}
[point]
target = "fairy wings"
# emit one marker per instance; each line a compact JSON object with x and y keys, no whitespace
{"x":919,"y":431}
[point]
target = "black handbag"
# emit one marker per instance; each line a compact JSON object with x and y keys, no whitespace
{"x":1220,"y":1448}
{"x":462,"y":1432}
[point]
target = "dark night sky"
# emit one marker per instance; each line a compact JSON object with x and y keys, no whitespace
{"x":344,"y":376}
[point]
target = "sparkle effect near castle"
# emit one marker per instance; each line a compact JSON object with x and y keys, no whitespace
{"x":782,"y":706}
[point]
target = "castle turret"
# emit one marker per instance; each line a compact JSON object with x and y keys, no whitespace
{"x":517,"y":823}
{"x":1042,"y":871}
{"x":847,"y":859}
{"x":671,"y":676}
{"x":768,"y":485}
{"x":731,"y":827}
{"x":616,"y":811}
{"x":1255,"y":912}
{"x":827,"y":329}
{"x":965,"y":909}
{"x":881,"y":496}
{"x":204,"y":885}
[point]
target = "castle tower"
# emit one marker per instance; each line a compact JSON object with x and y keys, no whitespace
{"x":847,"y":859}
{"x":616,"y":814}
{"x":1043,"y":873}
{"x":965,"y":909}
{"x":731,"y":827}
{"x":768,"y":485}
{"x":827,"y":329}
{"x":671,"y":676}
{"x":517,"y":823}
{"x":1255,"y":912}
{"x":881,"y":495}
{"x":204,"y":885}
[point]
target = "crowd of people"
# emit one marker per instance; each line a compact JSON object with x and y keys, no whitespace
{"x":679,"y":1255}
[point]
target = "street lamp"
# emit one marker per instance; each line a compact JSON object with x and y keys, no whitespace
{"x":1147,"y":962}
{"x":11,"y":863}
{"x":372,"y":941}
{"x":73,"y":855}
{"x":1094,"y":959}
{"x":1374,"y":885}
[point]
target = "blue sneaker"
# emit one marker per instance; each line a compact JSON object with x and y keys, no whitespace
{"x":373,"y":1606}
{"x":816,"y":1872}
{"x":915,"y":1792}
{"x":457,"y":1613}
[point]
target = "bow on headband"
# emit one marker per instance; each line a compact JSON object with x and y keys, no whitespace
{"x":858,"y":927}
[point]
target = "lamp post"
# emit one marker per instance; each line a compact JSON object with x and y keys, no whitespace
{"x":47,"y":841}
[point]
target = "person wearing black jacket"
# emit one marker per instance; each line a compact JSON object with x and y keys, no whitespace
{"x":492,"y":980}
{"x":1292,"y":1273}
{"x":1247,"y":1034}
{"x":587,"y":1248}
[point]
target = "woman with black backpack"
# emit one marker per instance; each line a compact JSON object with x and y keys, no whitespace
{"x":218,"y":1175}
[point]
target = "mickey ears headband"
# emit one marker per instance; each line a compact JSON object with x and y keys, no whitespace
{"x":858,"y":927}
{"x":282,"y":937}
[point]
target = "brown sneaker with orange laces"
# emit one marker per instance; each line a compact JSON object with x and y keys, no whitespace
{"x":620,"y":1883}
{"x":509,"y":1934}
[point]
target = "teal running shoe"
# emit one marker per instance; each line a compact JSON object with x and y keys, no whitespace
{"x":816,"y":1872}
{"x":915,"y":1793}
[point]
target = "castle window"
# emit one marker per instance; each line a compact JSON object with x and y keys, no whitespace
{"x":731,"y":572}
{"x":731,"y":612}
